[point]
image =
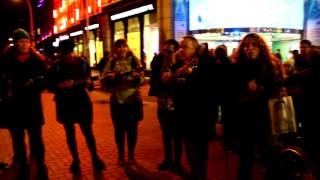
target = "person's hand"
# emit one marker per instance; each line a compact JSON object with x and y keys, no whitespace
{"x":252,"y":86}
{"x":111,"y":75}
{"x":135,"y":74}
{"x":67,"y":84}
{"x":166,"y":76}
{"x":184,"y":70}
{"x":283,"y":92}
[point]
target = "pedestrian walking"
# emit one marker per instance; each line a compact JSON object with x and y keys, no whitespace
{"x":123,"y":76}
{"x":69,"y":79}
{"x":26,"y":71}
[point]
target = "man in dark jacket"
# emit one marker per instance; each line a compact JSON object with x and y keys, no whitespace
{"x":25,"y":70}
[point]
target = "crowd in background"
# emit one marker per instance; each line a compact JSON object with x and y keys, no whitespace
{"x":194,"y":85}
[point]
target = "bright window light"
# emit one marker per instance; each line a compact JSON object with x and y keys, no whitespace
{"x":76,"y":33}
{"x":131,"y":12}
{"x":93,"y":26}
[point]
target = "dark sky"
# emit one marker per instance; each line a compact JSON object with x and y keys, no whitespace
{"x":13,"y":14}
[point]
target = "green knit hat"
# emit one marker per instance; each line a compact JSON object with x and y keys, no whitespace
{"x":20,"y":34}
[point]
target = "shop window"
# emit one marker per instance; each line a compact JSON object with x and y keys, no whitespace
{"x":150,"y":38}
{"x":118,"y":30}
{"x":134,"y":36}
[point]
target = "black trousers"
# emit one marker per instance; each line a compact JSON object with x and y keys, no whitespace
{"x":170,"y":137}
{"x":86,"y":129}
{"x":197,"y":156}
{"x":125,"y":124}
{"x":37,"y":149}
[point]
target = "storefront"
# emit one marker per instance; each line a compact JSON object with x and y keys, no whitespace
{"x":216,"y":22}
{"x":138,"y":24}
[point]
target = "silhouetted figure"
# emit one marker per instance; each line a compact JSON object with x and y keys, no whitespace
{"x":103,"y":61}
{"x":193,"y":100}
{"x":68,"y":80}
{"x":308,"y":69}
{"x":172,"y":141}
{"x":278,"y":54}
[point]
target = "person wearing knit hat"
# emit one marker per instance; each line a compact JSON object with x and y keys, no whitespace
{"x":26,"y":70}
{"x":20,"y":34}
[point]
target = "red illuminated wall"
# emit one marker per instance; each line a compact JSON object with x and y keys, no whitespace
{"x":66,"y":15}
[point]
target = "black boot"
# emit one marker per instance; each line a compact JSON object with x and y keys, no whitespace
{"x":75,"y":167}
{"x":98,"y":164}
{"x":3,"y":166}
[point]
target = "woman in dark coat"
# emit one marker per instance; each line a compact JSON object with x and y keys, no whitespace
{"x":69,"y":79}
{"x":258,"y":77}
{"x":25,"y":72}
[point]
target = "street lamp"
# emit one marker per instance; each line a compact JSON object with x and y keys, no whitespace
{"x":31,"y":18}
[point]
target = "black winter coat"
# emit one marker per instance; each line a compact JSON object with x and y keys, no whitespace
{"x":73,"y":105}
{"x":27,"y":81}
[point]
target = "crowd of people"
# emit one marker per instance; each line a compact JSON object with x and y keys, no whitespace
{"x":194,"y":87}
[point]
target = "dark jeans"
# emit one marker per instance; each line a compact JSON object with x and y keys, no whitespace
{"x":36,"y":144}
{"x":86,"y":129}
{"x":197,"y":156}
{"x":170,"y":138}
{"x":124,"y":123}
{"x":247,"y":149}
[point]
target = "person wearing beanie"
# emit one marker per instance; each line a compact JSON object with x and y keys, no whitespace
{"x":20,"y":34}
{"x":26,"y":71}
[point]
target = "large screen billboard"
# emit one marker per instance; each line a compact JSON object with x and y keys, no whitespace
{"x":212,"y":14}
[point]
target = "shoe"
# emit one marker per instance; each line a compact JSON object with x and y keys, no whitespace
{"x":131,"y":161}
{"x":3,"y":166}
{"x":98,"y":165}
{"x":75,"y":167}
{"x":42,"y":172}
{"x":177,"y":168}
{"x":165,"y":165}
{"x":24,"y":172}
{"x":120,"y":162}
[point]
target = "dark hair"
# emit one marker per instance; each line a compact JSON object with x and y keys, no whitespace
{"x":66,"y":46}
{"x":120,"y":42}
{"x":305,"y":41}
{"x":173,"y":42}
{"x":295,"y":52}
{"x":221,"y":51}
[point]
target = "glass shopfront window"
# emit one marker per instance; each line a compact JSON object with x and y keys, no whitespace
{"x":118,"y":30}
{"x":150,"y":38}
{"x":133,"y":36}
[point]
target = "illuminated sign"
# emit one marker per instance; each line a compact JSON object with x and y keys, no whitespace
{"x":212,"y":14}
{"x":132,"y":12}
{"x":77,"y":33}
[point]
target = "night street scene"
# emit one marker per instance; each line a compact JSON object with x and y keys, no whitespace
{"x":159,"y":89}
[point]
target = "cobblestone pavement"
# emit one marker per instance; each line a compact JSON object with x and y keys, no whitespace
{"x":149,"y":152}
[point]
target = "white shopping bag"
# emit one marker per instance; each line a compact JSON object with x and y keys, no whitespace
{"x":282,"y":115}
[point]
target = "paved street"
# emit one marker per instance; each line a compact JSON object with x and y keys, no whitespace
{"x":149,"y":153}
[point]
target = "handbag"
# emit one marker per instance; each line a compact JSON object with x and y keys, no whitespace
{"x":282,"y":115}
